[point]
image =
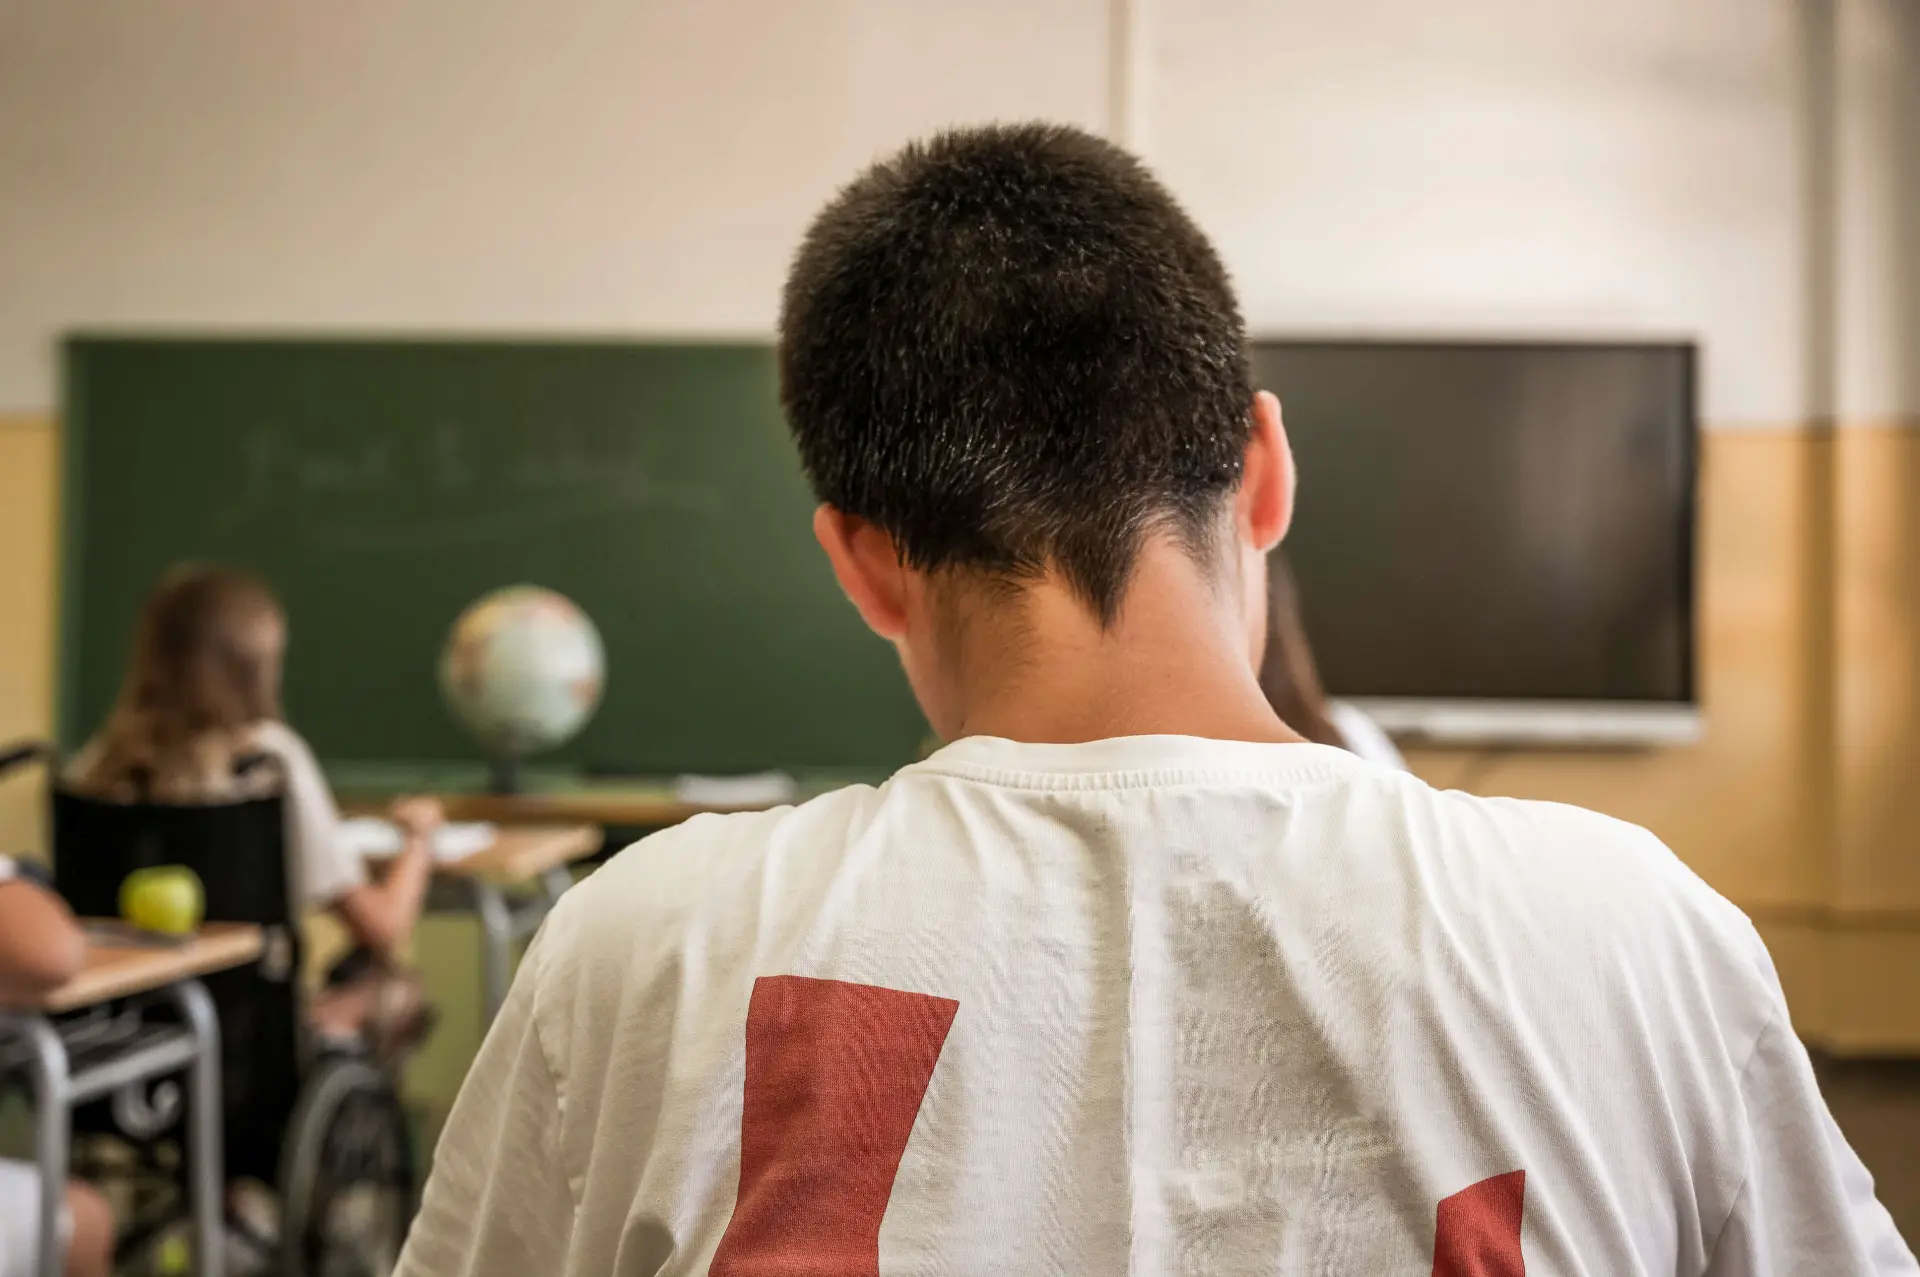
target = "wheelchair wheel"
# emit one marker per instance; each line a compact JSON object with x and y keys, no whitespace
{"x":346,"y":1175}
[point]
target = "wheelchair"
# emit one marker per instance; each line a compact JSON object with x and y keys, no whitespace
{"x":325,"y":1130}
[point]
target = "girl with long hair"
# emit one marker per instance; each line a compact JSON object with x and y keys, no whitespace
{"x":198,"y":721}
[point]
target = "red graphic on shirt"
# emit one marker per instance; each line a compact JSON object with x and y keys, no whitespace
{"x":1477,"y":1230}
{"x":835,"y":1075}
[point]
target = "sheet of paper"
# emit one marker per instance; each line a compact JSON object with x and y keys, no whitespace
{"x":374,"y":838}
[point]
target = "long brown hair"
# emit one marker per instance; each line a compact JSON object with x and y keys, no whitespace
{"x":201,"y":672}
{"x":1287,"y":673}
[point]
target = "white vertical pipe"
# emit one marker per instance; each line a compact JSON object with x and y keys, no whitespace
{"x":1123,"y":72}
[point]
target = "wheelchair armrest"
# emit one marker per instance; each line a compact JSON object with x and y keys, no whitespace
{"x":21,"y":752}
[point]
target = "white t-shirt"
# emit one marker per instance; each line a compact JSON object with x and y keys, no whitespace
{"x":322,"y":864}
{"x":1153,"y":1005}
{"x":325,"y":867}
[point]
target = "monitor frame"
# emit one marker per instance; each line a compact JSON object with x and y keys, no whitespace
{"x":1546,"y":722}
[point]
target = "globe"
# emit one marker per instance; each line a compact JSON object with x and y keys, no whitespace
{"x":522,"y":671}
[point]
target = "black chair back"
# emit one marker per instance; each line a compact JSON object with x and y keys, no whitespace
{"x":238,"y":849}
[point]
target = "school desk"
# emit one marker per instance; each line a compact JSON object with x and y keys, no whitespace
{"x":70,"y":1062}
{"x":549,"y":795}
{"x":491,"y":885}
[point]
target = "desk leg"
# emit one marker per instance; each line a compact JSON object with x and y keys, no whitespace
{"x":204,"y":1146}
{"x":52,"y":1137}
{"x":556,"y":881}
{"x":496,"y":949}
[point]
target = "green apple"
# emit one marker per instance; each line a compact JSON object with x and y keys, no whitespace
{"x":165,"y":898}
{"x":173,"y":1256}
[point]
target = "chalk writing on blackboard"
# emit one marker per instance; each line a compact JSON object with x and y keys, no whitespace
{"x":446,"y":485}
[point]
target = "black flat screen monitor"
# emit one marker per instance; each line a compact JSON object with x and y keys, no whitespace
{"x":1496,"y":540}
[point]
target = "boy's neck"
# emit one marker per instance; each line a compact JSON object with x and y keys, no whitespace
{"x":1175,"y":662}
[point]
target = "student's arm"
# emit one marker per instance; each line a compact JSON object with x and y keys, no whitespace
{"x":381,"y":915}
{"x":498,"y":1202}
{"x":1807,"y":1205}
{"x":41,"y":946}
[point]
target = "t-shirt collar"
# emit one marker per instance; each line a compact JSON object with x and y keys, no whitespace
{"x":1140,"y":758}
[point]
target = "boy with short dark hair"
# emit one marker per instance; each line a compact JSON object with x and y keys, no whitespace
{"x":1127,"y":978}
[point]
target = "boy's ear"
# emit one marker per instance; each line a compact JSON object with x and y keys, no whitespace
{"x":1263,"y":508}
{"x":868,"y":567}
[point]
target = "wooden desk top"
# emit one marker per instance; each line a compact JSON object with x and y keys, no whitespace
{"x":521,"y":853}
{"x":552,"y":797}
{"x":637,"y":808}
{"x":114,"y":971}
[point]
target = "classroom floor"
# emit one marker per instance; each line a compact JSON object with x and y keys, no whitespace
{"x":1877,"y":1103}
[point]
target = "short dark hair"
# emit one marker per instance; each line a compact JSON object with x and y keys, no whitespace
{"x":1010,"y":349}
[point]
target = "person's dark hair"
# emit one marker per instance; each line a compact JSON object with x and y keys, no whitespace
{"x":1288,"y":674}
{"x":1011,"y":350}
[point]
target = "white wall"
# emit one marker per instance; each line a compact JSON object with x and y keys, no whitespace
{"x":599,"y":165}
{"x":1508,"y":166}
{"x":1878,"y":231}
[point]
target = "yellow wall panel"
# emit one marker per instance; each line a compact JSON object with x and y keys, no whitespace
{"x":1877,"y":865}
{"x":27,"y":536}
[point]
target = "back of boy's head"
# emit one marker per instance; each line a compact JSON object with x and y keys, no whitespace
{"x":1011,"y":350}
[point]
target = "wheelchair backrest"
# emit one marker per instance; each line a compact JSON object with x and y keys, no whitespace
{"x":238,"y":849}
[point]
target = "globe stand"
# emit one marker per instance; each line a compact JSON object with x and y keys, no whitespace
{"x":503,"y":776}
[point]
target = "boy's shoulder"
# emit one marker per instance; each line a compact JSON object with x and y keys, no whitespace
{"x":698,"y":864}
{"x":720,"y":886}
{"x":1577,"y":879}
{"x":694,"y":863}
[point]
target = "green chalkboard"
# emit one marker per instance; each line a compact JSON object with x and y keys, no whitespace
{"x":381,"y":485}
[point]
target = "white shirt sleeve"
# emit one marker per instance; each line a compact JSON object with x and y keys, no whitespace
{"x":1807,"y":1205}
{"x":499,"y":1201}
{"x":324,"y":866}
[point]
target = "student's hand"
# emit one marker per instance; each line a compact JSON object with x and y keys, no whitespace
{"x":418,"y":817}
